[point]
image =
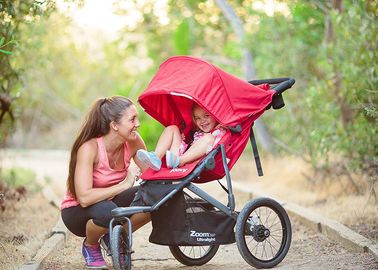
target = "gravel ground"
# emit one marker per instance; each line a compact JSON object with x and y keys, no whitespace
{"x":23,"y":228}
{"x":309,"y":250}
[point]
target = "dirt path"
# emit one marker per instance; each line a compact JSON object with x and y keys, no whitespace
{"x":24,"y":226}
{"x":309,"y":250}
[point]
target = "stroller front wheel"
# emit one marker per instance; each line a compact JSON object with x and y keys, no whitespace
{"x":193,"y":255}
{"x":119,"y":246}
{"x":263,"y":233}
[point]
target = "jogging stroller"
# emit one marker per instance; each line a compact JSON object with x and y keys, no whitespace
{"x":187,"y":219}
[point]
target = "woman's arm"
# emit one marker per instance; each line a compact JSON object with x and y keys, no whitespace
{"x":86,"y":194}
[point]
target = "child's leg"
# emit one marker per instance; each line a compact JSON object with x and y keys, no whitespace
{"x":170,"y":139}
{"x":197,"y":149}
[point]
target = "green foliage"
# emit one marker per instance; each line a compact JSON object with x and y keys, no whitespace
{"x":13,"y":16}
{"x":332,"y":111}
{"x":20,"y":177}
{"x":150,"y":130}
{"x":181,"y":38}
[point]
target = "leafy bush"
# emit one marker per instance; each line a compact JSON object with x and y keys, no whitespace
{"x":332,"y":111}
{"x":20,"y":177}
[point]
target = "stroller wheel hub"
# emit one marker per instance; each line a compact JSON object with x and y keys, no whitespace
{"x":260,"y":233}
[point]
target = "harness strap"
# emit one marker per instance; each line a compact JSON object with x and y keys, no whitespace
{"x":224,"y":188}
{"x":256,"y":153}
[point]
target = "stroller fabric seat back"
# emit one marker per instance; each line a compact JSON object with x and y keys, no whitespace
{"x":182,"y":81}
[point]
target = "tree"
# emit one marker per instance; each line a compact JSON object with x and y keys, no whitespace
{"x":13,"y":14}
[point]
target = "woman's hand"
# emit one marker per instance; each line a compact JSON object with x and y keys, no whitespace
{"x":133,"y":174}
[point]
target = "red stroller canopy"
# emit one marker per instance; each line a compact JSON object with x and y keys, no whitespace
{"x":181,"y":80}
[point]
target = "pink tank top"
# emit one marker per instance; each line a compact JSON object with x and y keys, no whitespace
{"x":103,"y":175}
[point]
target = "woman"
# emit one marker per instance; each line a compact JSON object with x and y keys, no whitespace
{"x":100,"y":177}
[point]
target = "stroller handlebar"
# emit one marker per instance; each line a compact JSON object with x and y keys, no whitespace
{"x":283,"y":83}
{"x":284,"y":86}
{"x":280,"y":85}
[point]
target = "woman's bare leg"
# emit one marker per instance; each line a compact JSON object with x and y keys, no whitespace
{"x":197,"y":149}
{"x":170,"y":139}
{"x":93,"y":233}
{"x":139,"y":220}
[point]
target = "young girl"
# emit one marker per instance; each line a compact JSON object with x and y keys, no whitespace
{"x":172,"y":143}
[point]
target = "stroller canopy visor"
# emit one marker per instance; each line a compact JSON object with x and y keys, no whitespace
{"x":182,"y":80}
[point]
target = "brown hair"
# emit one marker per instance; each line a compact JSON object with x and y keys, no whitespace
{"x":195,"y":127}
{"x":96,"y":124}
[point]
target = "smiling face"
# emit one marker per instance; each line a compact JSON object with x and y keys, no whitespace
{"x":129,"y":123}
{"x":203,"y":120}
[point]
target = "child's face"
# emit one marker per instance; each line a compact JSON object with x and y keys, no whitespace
{"x":203,"y":120}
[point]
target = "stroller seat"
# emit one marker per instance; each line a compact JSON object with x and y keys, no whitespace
{"x":169,"y":174}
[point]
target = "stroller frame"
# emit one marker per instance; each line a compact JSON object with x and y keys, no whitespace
{"x":245,"y":225}
{"x":121,"y":214}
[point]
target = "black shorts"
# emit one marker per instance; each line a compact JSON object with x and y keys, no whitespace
{"x":75,"y":218}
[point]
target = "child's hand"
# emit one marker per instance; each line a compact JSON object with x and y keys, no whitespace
{"x":183,"y":136}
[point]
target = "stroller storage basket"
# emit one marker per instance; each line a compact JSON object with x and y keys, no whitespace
{"x":187,"y":221}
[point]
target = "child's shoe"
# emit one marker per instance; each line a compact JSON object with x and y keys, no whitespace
{"x":149,"y":158}
{"x":172,"y":160}
{"x":93,"y":257}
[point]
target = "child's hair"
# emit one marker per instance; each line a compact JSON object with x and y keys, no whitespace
{"x":195,"y":127}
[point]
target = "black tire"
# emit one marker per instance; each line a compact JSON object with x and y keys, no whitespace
{"x":263,"y":221}
{"x":187,"y":255}
{"x":119,"y":246}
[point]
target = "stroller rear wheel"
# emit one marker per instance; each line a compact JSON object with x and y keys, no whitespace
{"x":119,"y":246}
{"x":263,"y":233}
{"x":193,"y":255}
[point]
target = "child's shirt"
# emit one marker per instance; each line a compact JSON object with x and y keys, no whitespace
{"x":217,"y":133}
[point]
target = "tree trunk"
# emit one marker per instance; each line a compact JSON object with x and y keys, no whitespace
{"x":261,"y":130}
{"x":346,"y":112}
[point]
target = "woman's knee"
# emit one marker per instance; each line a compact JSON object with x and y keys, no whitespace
{"x":103,"y":219}
{"x":101,"y":213}
{"x":94,"y":227}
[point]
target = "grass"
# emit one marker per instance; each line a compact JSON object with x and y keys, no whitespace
{"x":20,"y":177}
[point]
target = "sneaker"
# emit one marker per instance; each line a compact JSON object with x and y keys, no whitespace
{"x":149,"y":158}
{"x":172,"y":160}
{"x":105,"y":243}
{"x":93,"y":257}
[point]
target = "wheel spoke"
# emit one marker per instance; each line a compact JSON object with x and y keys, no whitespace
{"x":266,"y":217}
{"x":264,"y":250}
{"x":272,"y":246}
{"x":276,"y":240}
{"x":274,"y":222}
